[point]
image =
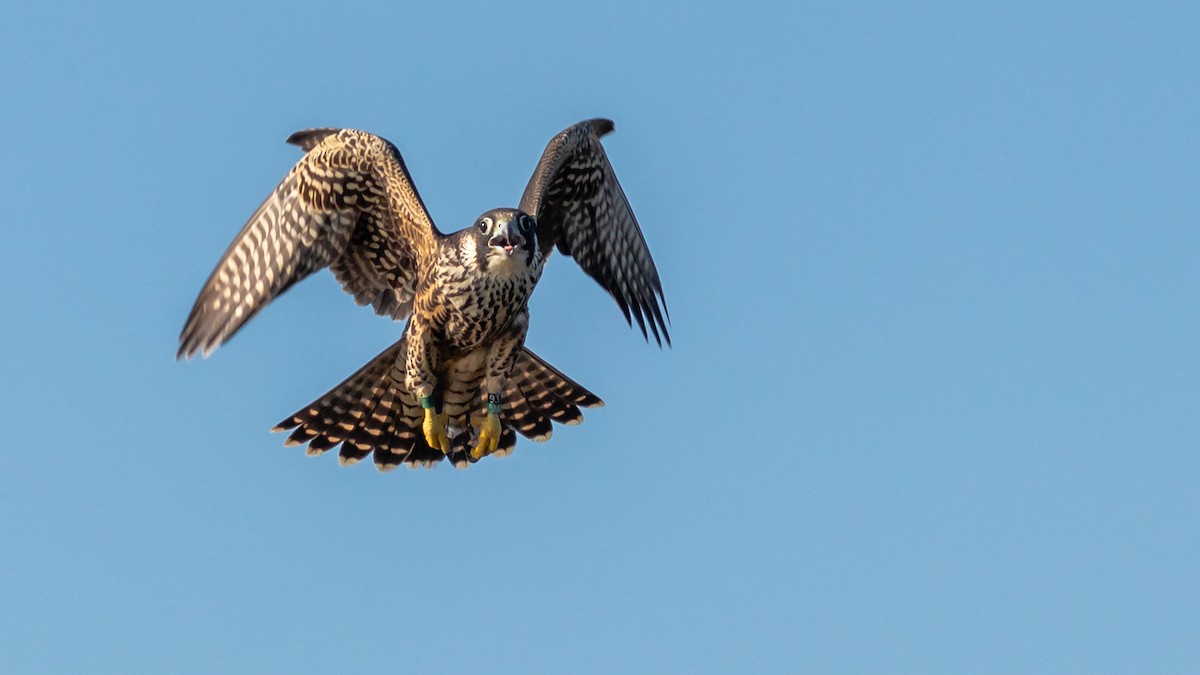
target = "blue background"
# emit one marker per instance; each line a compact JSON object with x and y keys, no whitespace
{"x":932,"y":405}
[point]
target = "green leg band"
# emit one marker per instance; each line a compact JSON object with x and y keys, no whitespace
{"x":428,"y":402}
{"x":493,"y":404}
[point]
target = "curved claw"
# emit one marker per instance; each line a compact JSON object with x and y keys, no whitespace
{"x":489,"y":437}
{"x":435,"y":431}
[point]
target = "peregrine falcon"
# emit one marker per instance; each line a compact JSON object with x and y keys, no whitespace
{"x":460,"y":382}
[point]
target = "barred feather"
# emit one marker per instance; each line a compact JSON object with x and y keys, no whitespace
{"x":348,"y":204}
{"x":580,"y":208}
{"x":371,"y":412}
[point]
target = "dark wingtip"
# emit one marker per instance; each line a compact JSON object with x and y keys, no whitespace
{"x":308,"y":139}
{"x":601,"y":126}
{"x":658,"y":316}
{"x":187,"y":335}
{"x":187,"y":344}
{"x":658,"y":329}
{"x":666,"y":338}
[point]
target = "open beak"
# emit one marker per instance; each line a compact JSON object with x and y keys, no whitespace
{"x":507,"y":241}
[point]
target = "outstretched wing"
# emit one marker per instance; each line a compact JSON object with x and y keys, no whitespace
{"x":349,"y":204}
{"x":581,"y":208}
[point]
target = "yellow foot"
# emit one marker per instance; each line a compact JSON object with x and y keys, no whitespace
{"x":489,"y":437}
{"x":435,"y":430}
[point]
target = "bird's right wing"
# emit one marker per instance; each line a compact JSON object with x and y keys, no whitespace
{"x":349,"y":204}
{"x":581,"y":209}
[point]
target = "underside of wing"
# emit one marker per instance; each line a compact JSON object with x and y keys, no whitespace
{"x":350,"y":205}
{"x":581,"y":209}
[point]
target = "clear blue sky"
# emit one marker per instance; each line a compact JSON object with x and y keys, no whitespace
{"x":932,"y":405}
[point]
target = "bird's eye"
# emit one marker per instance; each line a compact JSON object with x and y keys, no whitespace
{"x":526,"y":223}
{"x":484,"y":224}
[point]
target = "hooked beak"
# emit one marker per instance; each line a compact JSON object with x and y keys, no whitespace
{"x":508,"y":240}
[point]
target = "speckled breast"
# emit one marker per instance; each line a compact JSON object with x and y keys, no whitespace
{"x":476,"y":308}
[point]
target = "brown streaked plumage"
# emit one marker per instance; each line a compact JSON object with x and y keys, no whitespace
{"x":459,"y":383}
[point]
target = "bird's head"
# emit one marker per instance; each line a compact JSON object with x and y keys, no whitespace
{"x":509,"y":235}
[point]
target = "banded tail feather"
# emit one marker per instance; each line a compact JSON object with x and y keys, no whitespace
{"x":372,"y":413}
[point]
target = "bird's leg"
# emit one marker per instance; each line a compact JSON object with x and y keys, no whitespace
{"x":434,"y":425}
{"x":489,"y":429}
{"x":419,"y":367}
{"x":502,"y":354}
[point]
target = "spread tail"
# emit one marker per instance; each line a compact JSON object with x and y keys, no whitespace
{"x":372,"y":412}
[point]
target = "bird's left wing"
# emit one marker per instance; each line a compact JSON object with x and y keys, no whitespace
{"x":580,"y":208}
{"x":349,"y":204}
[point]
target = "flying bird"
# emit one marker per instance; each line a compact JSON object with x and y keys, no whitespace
{"x":460,"y":382}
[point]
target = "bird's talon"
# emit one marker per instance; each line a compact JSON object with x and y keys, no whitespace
{"x":435,"y":431}
{"x":489,"y":437}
